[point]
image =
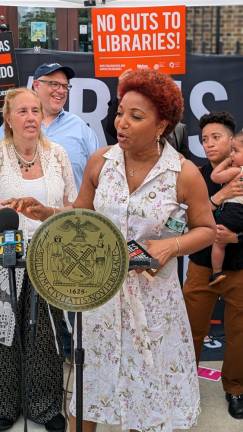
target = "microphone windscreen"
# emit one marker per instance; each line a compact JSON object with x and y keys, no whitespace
{"x":9,"y":219}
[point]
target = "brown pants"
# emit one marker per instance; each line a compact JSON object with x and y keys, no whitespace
{"x":200,"y":301}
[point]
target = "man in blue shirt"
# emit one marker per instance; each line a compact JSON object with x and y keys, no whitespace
{"x":51,"y":83}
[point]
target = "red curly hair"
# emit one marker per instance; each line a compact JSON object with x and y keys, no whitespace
{"x":161,"y":89}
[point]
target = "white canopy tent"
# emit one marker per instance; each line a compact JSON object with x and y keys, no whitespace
{"x":138,"y":3}
{"x":42,"y":3}
{"x":117,"y":3}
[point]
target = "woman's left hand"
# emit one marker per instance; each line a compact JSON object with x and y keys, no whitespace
{"x":162,"y":250}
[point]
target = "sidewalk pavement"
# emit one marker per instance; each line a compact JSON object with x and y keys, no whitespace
{"x":214,"y":416}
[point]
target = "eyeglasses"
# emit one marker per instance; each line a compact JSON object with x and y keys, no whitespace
{"x":55,"y":85}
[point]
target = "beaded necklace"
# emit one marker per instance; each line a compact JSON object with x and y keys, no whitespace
{"x":23,"y":163}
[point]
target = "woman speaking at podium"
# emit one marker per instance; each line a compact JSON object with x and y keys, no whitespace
{"x":31,"y":165}
{"x":140,"y":370}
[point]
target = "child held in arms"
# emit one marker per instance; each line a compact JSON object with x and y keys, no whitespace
{"x":231,"y":213}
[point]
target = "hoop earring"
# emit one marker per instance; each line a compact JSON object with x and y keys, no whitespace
{"x":158,"y":145}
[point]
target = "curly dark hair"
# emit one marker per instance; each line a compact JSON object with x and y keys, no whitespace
{"x":161,"y":89}
{"x":222,"y":117}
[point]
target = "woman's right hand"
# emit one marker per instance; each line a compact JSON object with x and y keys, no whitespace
{"x":29,"y":207}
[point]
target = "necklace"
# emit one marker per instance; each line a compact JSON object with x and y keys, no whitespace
{"x":23,"y":163}
{"x":131,"y":172}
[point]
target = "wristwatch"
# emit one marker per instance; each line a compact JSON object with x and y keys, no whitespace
{"x":240,"y":237}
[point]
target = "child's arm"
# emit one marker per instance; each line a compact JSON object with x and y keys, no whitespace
{"x":224,"y":172}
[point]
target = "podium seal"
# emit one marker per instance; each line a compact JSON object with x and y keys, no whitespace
{"x":77,"y":260}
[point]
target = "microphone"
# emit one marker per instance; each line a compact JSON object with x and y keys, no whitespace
{"x":9,"y":219}
{"x":10,"y":237}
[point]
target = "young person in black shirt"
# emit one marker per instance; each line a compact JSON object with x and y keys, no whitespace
{"x":217,"y":133}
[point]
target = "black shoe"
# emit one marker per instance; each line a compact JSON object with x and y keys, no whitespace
{"x":5,"y":423}
{"x":56,"y":424}
{"x":235,"y":405}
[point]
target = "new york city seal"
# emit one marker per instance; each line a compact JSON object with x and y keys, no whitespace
{"x":77,"y":260}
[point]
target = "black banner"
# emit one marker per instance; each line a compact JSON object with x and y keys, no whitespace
{"x":212,"y":83}
{"x":8,"y":66}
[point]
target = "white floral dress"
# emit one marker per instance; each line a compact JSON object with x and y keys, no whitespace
{"x":140,"y":370}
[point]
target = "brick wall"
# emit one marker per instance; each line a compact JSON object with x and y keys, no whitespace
{"x":215,"y":30}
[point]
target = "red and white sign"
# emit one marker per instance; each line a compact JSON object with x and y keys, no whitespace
{"x":209,"y":374}
{"x":125,"y":38}
{"x":8,"y":66}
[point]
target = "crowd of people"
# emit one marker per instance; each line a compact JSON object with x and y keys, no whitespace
{"x":142,"y":347}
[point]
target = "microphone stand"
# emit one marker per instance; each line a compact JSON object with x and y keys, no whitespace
{"x":79,"y":363}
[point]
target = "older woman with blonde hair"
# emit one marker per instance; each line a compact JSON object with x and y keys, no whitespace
{"x":30,"y":165}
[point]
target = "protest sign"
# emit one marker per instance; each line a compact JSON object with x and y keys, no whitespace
{"x":8,"y":67}
{"x":127,"y":38}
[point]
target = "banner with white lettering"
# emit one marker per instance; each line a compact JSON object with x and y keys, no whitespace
{"x":212,"y":83}
{"x":8,"y":65}
{"x":125,"y":38}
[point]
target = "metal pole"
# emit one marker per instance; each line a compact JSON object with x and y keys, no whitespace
{"x":202,"y":32}
{"x":217,"y":33}
{"x":75,"y":45}
{"x":56,"y":43}
{"x":79,"y":362}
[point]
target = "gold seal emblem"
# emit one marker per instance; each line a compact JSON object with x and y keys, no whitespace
{"x":77,"y":260}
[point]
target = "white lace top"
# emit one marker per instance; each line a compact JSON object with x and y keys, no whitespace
{"x":59,"y":185}
{"x":37,"y":189}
